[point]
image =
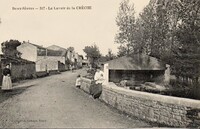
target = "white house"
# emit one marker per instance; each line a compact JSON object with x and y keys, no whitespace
{"x":45,"y":59}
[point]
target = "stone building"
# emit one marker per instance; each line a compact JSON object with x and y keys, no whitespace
{"x":78,"y":59}
{"x":45,"y":59}
{"x":71,"y":56}
{"x":138,"y":67}
{"x":85,"y":63}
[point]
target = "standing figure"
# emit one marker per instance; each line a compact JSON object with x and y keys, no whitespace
{"x":71,"y":68}
{"x":96,"y":88}
{"x":7,"y":83}
{"x":78,"y":81}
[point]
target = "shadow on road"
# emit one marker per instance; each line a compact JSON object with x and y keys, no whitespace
{"x":4,"y":95}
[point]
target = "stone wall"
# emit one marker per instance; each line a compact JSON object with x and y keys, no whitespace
{"x":165,"y":110}
{"x":85,"y":86}
{"x":23,"y":71}
{"x":46,"y":64}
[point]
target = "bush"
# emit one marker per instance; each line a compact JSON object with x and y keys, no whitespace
{"x":91,"y":71}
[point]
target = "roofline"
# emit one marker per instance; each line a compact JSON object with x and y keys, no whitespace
{"x":57,"y":46}
{"x":35,"y":45}
{"x":130,"y":56}
{"x":113,"y":60}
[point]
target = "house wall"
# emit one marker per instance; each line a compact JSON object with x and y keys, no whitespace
{"x":61,"y":67}
{"x":51,"y":63}
{"x":29,"y":52}
{"x":71,"y":56}
{"x":55,"y":58}
{"x":23,"y":71}
{"x":106,"y":73}
{"x":80,"y":62}
{"x":47,"y":64}
{"x":57,"y":48}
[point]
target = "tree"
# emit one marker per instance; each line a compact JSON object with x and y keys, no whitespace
{"x":110,"y":55}
{"x":155,"y":29}
{"x":71,"y":49}
{"x":187,"y":57}
{"x":122,"y":50}
{"x":126,"y":22}
{"x":146,"y":25}
{"x":107,"y":57}
{"x":9,"y":48}
{"x":170,"y":30}
{"x":92,"y":54}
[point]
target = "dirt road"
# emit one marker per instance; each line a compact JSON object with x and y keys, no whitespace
{"x":54,"y":102}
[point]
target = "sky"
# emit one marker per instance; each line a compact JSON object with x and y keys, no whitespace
{"x":65,"y":28}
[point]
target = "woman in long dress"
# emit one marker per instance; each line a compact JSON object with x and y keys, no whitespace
{"x":7,"y":84}
{"x":96,"y":88}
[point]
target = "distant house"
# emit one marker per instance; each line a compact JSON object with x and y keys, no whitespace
{"x":57,"y":48}
{"x":69,"y":54}
{"x":51,"y":61}
{"x":80,"y":61}
{"x":64,"y":53}
{"x":45,"y":59}
{"x":20,"y":68}
{"x":138,"y":67}
{"x":30,"y":51}
{"x":85,"y":62}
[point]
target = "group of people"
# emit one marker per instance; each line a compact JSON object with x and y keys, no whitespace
{"x":96,"y":86}
{"x":95,"y":89}
{"x":6,"y":83}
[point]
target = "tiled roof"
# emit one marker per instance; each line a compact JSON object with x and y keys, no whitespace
{"x":38,"y":46}
{"x":59,"y":49}
{"x":136,"y":62}
{"x":49,"y":52}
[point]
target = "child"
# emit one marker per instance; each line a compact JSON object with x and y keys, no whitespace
{"x":78,"y":81}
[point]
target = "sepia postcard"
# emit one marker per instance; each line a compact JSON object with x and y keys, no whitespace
{"x":99,"y":64}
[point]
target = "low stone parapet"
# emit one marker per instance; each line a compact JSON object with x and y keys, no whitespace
{"x":166,"y":110}
{"x":41,"y":74}
{"x":86,"y":83}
